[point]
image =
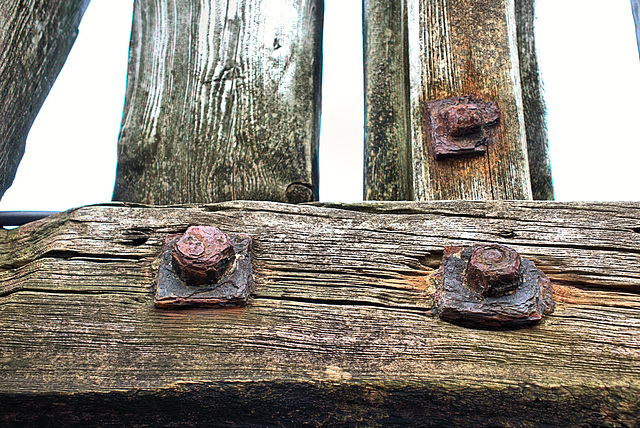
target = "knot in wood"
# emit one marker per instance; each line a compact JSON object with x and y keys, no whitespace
{"x":298,"y":193}
{"x":493,"y":270}
{"x":202,"y":255}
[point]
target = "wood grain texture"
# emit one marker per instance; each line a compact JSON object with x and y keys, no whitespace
{"x":340,"y":329}
{"x":35,"y":39}
{"x":387,"y":149}
{"x":535,"y":111}
{"x":467,"y":47}
{"x":222,"y":102}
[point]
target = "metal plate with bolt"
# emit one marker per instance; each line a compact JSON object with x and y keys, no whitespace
{"x":491,"y":286}
{"x":461,"y":126}
{"x":204,"y":267}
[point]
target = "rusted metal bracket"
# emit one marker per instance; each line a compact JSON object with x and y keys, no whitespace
{"x":491,"y":286}
{"x":461,"y":126}
{"x":204,"y":267}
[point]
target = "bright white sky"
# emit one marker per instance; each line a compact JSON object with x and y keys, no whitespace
{"x":589,"y":62}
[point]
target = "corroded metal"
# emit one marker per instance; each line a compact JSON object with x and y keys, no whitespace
{"x":484,"y":296}
{"x":461,"y":126}
{"x":202,"y":255}
{"x":203,"y":268}
{"x":493,"y":270}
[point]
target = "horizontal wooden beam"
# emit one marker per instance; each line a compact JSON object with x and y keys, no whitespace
{"x":340,"y":328}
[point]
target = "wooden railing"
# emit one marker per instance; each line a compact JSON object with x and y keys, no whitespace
{"x":341,"y":329}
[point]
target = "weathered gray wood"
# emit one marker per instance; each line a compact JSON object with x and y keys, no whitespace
{"x":535,"y":112}
{"x":467,"y":47}
{"x":35,"y":39}
{"x":222,"y":102}
{"x":387,"y":149}
{"x":340,"y":329}
{"x":635,"y":9}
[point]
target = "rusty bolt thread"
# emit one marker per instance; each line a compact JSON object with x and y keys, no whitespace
{"x":493,"y":270}
{"x":202,"y":255}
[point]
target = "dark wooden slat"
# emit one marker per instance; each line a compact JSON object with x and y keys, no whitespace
{"x":535,"y":112}
{"x":35,"y":39}
{"x":387,"y":152}
{"x":222,"y":102}
{"x":339,"y":330}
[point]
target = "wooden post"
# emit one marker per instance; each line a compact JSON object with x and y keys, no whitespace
{"x":387,"y":149}
{"x":445,"y":49}
{"x":340,"y":329}
{"x":467,"y":47}
{"x":535,"y":112}
{"x":35,"y":39}
{"x":222,"y":102}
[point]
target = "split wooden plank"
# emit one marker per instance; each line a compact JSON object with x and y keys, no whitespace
{"x":35,"y":39}
{"x":222,"y":102}
{"x":340,"y":328}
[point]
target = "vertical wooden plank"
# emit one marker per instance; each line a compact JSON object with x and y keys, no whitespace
{"x":535,"y":112}
{"x":387,"y":154}
{"x":35,"y":39}
{"x":467,"y":47}
{"x":222,"y":102}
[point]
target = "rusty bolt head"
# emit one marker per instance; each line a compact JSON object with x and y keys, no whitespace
{"x":461,"y":126}
{"x":493,"y":270}
{"x":463,"y":119}
{"x":202,"y":255}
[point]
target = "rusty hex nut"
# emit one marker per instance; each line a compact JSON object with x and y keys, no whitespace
{"x":493,"y":270}
{"x":461,"y":126}
{"x":202,"y":255}
{"x":463,"y":119}
{"x":499,"y":289}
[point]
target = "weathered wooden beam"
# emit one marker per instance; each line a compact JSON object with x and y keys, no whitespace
{"x":439,"y":49}
{"x":340,"y":328}
{"x":467,"y":47}
{"x":534,"y":108}
{"x":222,"y":102}
{"x":35,"y":39}
{"x":387,"y":149}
